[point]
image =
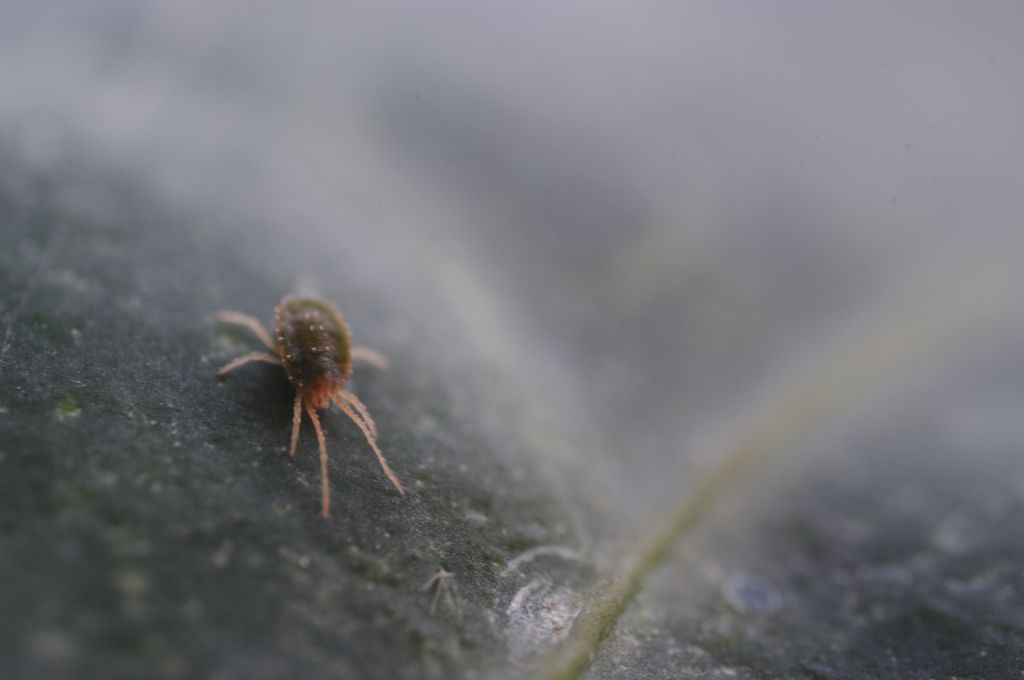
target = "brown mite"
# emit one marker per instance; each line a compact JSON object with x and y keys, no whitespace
{"x":315,"y":349}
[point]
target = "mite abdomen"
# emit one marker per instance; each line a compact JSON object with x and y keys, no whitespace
{"x":314,"y":346}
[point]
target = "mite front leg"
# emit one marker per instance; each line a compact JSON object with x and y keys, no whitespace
{"x":360,"y":409}
{"x":325,"y":489}
{"x":372,"y":440}
{"x":252,"y":323}
{"x":248,"y":358}
{"x":296,"y":419}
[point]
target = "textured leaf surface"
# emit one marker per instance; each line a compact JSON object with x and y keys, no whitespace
{"x":702,"y":324}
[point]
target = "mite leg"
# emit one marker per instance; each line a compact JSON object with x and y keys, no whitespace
{"x":325,"y":491}
{"x":370,"y":356}
{"x":437,"y":596}
{"x":247,"y":358}
{"x":354,"y":416}
{"x":435,"y":584}
{"x":253,"y":324}
{"x":296,"y":419}
{"x":360,"y":409}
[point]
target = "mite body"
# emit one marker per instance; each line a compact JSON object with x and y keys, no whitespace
{"x":313,"y":345}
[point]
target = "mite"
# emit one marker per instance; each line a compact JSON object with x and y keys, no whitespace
{"x":313,"y":345}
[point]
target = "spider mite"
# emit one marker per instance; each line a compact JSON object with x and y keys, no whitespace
{"x":315,"y":349}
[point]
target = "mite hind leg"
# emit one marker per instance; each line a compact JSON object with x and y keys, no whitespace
{"x":252,"y":323}
{"x":370,"y":356}
{"x":249,"y":358}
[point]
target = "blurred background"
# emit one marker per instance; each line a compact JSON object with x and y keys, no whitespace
{"x":597,"y":241}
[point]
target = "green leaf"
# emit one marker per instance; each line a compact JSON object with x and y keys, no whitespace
{"x":702,"y":332}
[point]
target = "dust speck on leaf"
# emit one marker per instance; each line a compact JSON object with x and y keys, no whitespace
{"x":750,"y":594}
{"x":67,"y":408}
{"x":539,"y":615}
